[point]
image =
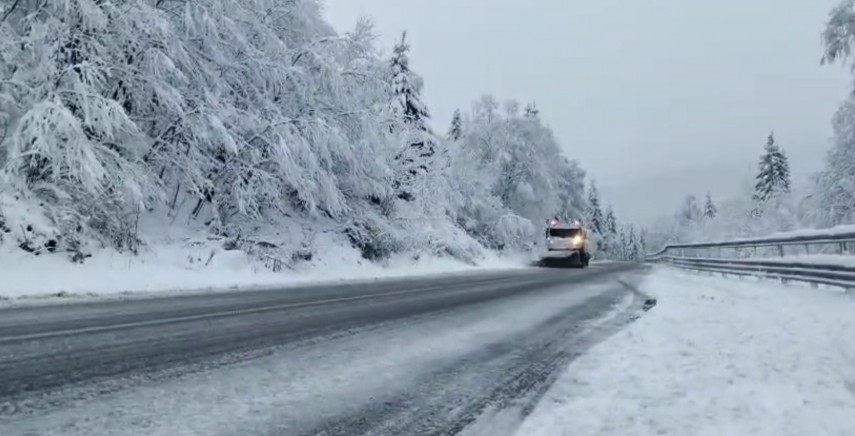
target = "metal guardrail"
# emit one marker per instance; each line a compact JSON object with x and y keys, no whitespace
{"x":764,"y":258}
{"x":814,"y":274}
{"x":840,"y":243}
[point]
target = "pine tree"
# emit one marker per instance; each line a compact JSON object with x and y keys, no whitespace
{"x":632,"y":244}
{"x":710,"y":211}
{"x":416,"y":158}
{"x":610,"y":232}
{"x":456,"y":129}
{"x":407,"y":88}
{"x":610,"y":221}
{"x":774,"y":171}
{"x":595,"y":213}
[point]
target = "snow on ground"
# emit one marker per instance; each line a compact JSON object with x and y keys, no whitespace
{"x":714,"y":357}
{"x":817,"y":259}
{"x":799,"y":233}
{"x":180,"y":267}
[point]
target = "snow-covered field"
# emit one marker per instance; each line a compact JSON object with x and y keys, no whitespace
{"x":715,"y":357}
{"x":179,"y":268}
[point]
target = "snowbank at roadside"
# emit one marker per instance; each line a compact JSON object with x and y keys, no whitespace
{"x":813,"y":259}
{"x":192,"y":268}
{"x":799,"y":233}
{"x":714,"y":357}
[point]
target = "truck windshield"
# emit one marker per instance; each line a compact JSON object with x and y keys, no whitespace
{"x":563,"y":233}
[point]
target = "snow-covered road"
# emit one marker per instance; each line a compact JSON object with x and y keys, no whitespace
{"x":427,"y":356}
{"x":716,"y":357}
{"x":519,"y":353}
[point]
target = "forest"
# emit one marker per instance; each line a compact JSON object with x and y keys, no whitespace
{"x":255,"y":126}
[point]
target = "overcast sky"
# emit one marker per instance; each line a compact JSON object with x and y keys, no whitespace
{"x":655,"y":98}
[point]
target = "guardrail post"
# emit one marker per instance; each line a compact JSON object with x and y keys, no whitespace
{"x":807,"y":248}
{"x":781,"y":250}
{"x":841,"y":248}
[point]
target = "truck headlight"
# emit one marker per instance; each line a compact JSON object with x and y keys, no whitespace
{"x":578,"y":240}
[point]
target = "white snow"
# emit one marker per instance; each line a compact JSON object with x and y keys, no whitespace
{"x":818,"y":259}
{"x":714,"y":357}
{"x":182,"y":267}
{"x":799,"y":233}
{"x":831,"y":231}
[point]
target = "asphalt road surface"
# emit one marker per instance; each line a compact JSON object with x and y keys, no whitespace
{"x":457,"y":354}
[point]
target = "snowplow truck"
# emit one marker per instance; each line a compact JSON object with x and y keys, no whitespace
{"x":567,"y":245}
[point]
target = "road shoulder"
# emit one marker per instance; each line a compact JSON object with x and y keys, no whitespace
{"x":716,"y":356}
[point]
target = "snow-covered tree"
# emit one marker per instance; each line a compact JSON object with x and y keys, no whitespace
{"x":407,"y":86}
{"x":254,"y":122}
{"x":710,"y":211}
{"x":625,"y":243}
{"x":609,"y":241}
{"x":610,"y":221}
{"x":571,"y":189}
{"x":839,"y":33}
{"x":414,"y":163}
{"x":595,"y":212}
{"x":833,"y":201}
{"x":520,"y":161}
{"x":774,"y":171}
{"x":631,"y":244}
{"x":455,"y":131}
{"x":119,"y":110}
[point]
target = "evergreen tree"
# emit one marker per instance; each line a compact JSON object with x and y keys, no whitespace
{"x":595,"y":213}
{"x":710,"y":211}
{"x":407,"y":89}
{"x":774,"y":171}
{"x":610,"y":233}
{"x":610,"y":223}
{"x":456,"y":129}
{"x":632,"y":244}
{"x":417,"y":157}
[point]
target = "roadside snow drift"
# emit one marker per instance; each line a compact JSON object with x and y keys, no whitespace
{"x":715,"y":357}
{"x":181,"y":267}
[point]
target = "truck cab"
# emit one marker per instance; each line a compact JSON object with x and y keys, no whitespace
{"x":567,"y":242}
{"x":561,"y":237}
